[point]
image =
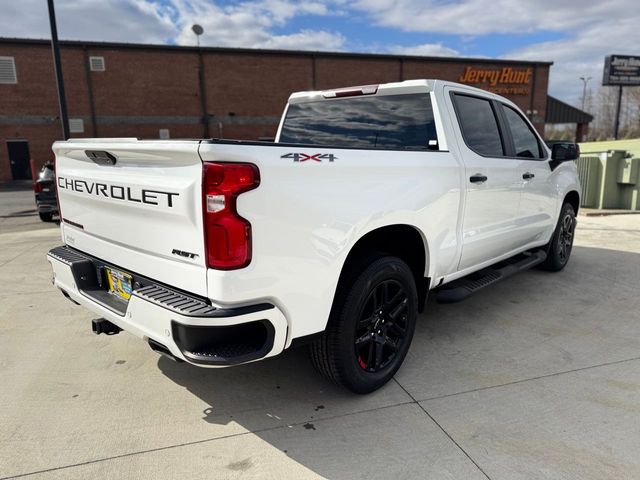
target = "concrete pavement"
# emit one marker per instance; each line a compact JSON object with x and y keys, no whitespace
{"x":18,"y":208}
{"x":537,"y":377}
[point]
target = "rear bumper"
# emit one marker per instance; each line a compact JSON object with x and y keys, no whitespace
{"x":189,"y":328}
{"x":46,"y":204}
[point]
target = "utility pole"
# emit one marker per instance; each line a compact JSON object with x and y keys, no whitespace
{"x":585,"y":80}
{"x":57,"y":66}
{"x":616,"y":125}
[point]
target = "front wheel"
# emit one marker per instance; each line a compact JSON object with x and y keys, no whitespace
{"x":370,"y":328}
{"x":559,"y":248}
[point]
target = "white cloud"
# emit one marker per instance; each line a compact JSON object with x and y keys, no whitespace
{"x":306,"y":40}
{"x":252,"y":23}
{"x":115,"y":20}
{"x":426,"y":49}
{"x":479,"y":17}
{"x":590,"y":30}
{"x":582,"y":54}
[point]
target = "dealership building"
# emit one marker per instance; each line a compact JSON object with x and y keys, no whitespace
{"x":165,"y":91}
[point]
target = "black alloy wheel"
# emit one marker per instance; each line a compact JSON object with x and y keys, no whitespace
{"x":565,"y":239}
{"x":559,"y":248}
{"x":382,"y":326}
{"x":371,"y":324}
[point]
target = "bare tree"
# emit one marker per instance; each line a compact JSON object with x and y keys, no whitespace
{"x":602,"y":105}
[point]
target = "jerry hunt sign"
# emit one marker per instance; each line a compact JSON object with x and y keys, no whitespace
{"x":503,"y":81}
{"x":621,"y":70}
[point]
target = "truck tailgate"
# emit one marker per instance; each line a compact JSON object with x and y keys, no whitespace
{"x":136,"y":204}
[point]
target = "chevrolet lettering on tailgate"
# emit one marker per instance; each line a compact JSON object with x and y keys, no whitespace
{"x":118,"y":192}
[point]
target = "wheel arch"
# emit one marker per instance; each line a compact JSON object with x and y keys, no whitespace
{"x":399,"y":240}
{"x":572,"y":197}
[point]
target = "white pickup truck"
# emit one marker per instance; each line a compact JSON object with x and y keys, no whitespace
{"x":220,"y":252}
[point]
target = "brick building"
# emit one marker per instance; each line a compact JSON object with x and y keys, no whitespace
{"x":151,"y":91}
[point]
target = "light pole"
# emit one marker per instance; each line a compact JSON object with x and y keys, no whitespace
{"x":57,"y":66}
{"x":585,"y":80}
{"x":198,"y":30}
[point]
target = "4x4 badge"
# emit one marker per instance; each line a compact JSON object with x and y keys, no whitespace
{"x":303,"y":157}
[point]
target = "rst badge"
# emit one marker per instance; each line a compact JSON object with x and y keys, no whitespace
{"x":304,"y":157}
{"x":182,"y":253}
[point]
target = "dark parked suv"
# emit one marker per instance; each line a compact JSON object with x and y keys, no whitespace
{"x":45,"y":190}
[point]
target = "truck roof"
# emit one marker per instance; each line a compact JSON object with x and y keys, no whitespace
{"x":393,"y":88}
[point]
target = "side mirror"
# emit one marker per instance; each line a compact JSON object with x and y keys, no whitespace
{"x":563,"y":152}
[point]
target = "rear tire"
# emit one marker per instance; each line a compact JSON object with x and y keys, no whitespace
{"x":46,"y":217}
{"x":559,"y":248}
{"x":370,"y":327}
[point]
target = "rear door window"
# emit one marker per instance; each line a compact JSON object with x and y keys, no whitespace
{"x":376,"y":121}
{"x":479,"y":125}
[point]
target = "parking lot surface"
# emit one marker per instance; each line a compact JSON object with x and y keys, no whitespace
{"x":536,"y":377}
{"x":17,"y":208}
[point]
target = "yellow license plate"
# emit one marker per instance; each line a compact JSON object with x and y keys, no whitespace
{"x":119,"y":283}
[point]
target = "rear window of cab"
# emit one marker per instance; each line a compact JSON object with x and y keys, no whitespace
{"x":402,"y":122}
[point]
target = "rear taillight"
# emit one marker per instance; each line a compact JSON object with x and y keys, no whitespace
{"x":227,"y":234}
{"x":37,"y":187}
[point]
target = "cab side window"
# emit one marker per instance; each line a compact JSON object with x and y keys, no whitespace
{"x":524,"y":140}
{"x":479,"y":125}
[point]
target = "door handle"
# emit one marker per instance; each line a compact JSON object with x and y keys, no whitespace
{"x":478,"y":178}
{"x":527,"y":176}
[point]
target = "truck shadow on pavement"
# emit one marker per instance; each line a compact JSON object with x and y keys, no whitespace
{"x":270,"y":388}
{"x":533,"y":325}
{"x":21,"y":213}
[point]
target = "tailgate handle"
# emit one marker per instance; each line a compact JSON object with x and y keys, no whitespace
{"x":101,"y":157}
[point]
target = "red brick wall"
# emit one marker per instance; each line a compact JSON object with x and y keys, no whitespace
{"x":35,"y":92}
{"x":540,"y":96}
{"x":345,"y":72}
{"x":245,"y":91}
{"x":254,"y":85}
{"x":146,"y":83}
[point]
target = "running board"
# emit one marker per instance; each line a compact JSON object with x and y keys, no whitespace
{"x":462,"y":288}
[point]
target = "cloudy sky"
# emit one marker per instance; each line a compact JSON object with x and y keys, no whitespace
{"x":574,"y":34}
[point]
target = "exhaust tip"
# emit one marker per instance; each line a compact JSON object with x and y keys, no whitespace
{"x":68,"y":297}
{"x":162,"y":350}
{"x":101,"y":325}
